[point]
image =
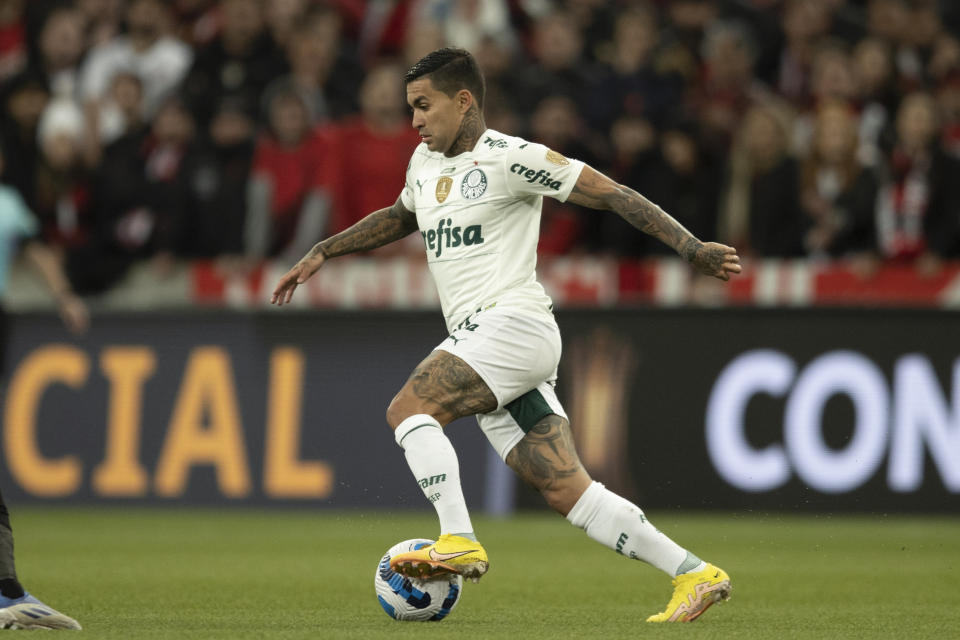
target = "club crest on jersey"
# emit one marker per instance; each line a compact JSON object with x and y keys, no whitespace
{"x":474,"y":184}
{"x":444,"y":184}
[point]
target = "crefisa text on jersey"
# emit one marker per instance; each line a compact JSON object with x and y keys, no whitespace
{"x":531,"y":176}
{"x":450,"y":236}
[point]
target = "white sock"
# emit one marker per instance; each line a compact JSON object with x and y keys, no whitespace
{"x":434,"y":464}
{"x":620,"y":525}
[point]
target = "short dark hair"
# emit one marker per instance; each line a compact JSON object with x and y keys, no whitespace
{"x":450,"y":70}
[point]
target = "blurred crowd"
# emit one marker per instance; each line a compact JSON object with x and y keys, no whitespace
{"x":248,"y":129}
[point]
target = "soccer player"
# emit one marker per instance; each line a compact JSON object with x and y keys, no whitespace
{"x":475,"y":196}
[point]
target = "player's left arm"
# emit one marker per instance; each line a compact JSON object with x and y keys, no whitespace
{"x":597,"y":191}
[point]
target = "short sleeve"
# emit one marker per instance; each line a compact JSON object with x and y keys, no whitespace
{"x":534,"y":169}
{"x":406,"y":196}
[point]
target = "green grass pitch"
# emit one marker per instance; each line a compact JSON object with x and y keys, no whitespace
{"x":191,"y":573}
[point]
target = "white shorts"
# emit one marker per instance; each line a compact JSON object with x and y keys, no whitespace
{"x":516,"y":354}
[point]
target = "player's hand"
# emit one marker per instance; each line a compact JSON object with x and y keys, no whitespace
{"x":74,"y":313}
{"x":299,"y":274}
{"x":717,"y":260}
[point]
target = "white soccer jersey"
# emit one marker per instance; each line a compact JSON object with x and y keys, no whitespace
{"x":479,"y":215}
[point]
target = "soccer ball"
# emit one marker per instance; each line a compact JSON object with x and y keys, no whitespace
{"x":406,"y":598}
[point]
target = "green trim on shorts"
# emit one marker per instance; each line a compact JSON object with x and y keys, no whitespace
{"x":529,"y":409}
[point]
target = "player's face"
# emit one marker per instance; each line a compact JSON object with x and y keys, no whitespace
{"x":435,"y":115}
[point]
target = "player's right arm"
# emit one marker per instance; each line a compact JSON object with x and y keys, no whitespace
{"x":376,"y":230}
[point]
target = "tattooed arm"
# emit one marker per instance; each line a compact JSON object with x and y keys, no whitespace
{"x":597,"y":191}
{"x":377,"y":229}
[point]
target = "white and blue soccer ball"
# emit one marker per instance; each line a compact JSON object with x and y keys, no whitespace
{"x":406,"y":598}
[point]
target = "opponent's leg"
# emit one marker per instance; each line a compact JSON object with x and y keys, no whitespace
{"x":441,"y":389}
{"x":546,"y":458}
{"x":18,"y":609}
{"x":10,"y":587}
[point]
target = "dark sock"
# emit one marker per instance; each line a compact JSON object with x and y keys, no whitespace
{"x":8,"y":571}
{"x":11,"y":588}
{"x":9,"y":585}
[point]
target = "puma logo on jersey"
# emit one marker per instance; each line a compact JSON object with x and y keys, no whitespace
{"x":449,"y":236}
{"x":540,"y":176}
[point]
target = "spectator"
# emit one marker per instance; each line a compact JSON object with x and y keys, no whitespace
{"x":146,"y":50}
{"x":890,"y":20}
{"x":760,"y":214}
{"x":61,"y":195}
{"x":139,"y":191}
{"x":197,"y":21}
{"x":594,"y":20}
{"x":289,"y":195}
{"x":831,"y":79}
{"x":468,"y":22}
{"x":671,"y":170}
{"x":61,"y":46}
{"x":211,"y":223}
{"x":18,"y":230}
{"x":838,"y":192}
{"x":918,"y":201}
{"x":121,"y":110}
{"x":240,"y":63}
{"x":556,"y":123}
{"x":876,"y":96}
{"x":727,"y":88}
{"x":373,"y":147}
{"x":687,"y":22}
{"x":557,"y":67}
{"x":102,"y":19}
{"x":498,"y":63}
{"x":24,"y":99}
{"x":948,"y":105}
{"x":803,"y":23}
{"x":13,"y":47}
{"x":325,"y":71}
{"x":282,"y":17}
{"x":686,"y":182}
{"x":631,"y":83}
{"x":423,"y":37}
{"x":944,"y":58}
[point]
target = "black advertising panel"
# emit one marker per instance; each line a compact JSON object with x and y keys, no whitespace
{"x":768,"y":409}
{"x":733,"y":408}
{"x":217,"y":409}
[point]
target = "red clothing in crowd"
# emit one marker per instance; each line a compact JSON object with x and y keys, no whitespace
{"x":372,"y":168}
{"x":293,"y":172}
{"x":13,"y":50}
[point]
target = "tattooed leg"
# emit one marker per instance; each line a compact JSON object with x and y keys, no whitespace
{"x":441,"y":389}
{"x":547,"y":460}
{"x":442,"y":386}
